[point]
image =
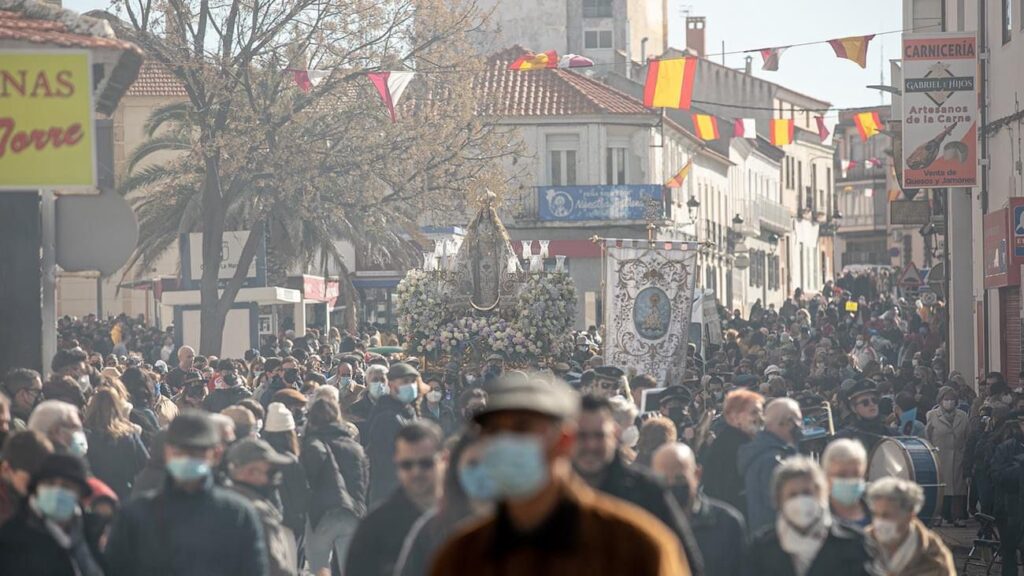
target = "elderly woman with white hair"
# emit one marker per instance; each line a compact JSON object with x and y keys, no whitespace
{"x":908,"y":548}
{"x":845,"y":463}
{"x":805,"y":540}
{"x":62,"y":425}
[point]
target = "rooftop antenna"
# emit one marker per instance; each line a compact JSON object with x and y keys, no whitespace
{"x":881,"y":75}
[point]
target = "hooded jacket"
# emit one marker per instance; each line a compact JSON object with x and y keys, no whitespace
{"x":756,"y":463}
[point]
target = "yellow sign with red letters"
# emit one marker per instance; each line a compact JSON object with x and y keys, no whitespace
{"x":46,"y":120}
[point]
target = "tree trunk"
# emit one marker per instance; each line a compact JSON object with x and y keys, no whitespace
{"x":211,"y":323}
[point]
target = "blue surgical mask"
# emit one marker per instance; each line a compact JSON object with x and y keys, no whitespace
{"x":516,"y":464}
{"x":407,"y":393}
{"x":847,"y":491}
{"x":56,"y":502}
{"x":378,"y":389}
{"x":79,"y":444}
{"x":477,"y":483}
{"x":185,"y":469}
{"x":345,"y":381}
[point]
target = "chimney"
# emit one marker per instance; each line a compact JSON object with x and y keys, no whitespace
{"x":748,"y":64}
{"x":695,"y":34}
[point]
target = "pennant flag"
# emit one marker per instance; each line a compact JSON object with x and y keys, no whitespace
{"x":744,"y":128}
{"x":848,"y":165}
{"x":306,"y":80}
{"x":677,"y":180}
{"x":771,"y":58}
{"x":854,"y":48}
{"x":531,"y":61}
{"x":782,"y":132}
{"x":868,"y":124}
{"x":574,"y":61}
{"x":670,"y":83}
{"x":875,"y":162}
{"x":705,"y":126}
{"x":823,"y":132}
{"x":390,"y":86}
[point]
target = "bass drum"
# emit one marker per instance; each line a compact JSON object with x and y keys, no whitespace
{"x":910,"y":458}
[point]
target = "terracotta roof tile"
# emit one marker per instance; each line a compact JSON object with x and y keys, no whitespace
{"x":155,"y":80}
{"x":28,"y":21}
{"x":548,"y":92}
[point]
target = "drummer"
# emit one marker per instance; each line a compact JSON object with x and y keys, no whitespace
{"x":865,"y":423}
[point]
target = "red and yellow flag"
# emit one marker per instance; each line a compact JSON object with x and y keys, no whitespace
{"x":853,"y":48}
{"x":705,"y":126}
{"x":670,"y":83}
{"x":677,"y":180}
{"x":868,"y":124}
{"x":531,"y":61}
{"x":782,"y":132}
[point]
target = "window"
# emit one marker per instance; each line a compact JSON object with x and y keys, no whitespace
{"x":960,"y":15}
{"x":1007,"y":20}
{"x":562,"y":151}
{"x":615,"y":166}
{"x":596,"y":39}
{"x":597,"y":8}
{"x":799,"y":176}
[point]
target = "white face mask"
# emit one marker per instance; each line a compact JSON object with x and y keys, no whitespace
{"x":802,"y":511}
{"x":886,"y":531}
{"x":630,"y":436}
{"x":434,"y":396}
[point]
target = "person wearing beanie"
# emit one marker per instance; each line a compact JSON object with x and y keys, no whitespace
{"x":189,"y":526}
{"x":279,"y":432}
{"x":47,"y":535}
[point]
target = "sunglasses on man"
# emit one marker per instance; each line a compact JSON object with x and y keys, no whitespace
{"x":422,"y":464}
{"x":869,"y":401}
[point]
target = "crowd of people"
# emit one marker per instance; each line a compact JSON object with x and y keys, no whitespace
{"x":316,"y":455}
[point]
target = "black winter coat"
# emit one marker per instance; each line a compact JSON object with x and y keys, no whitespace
{"x":387,"y":418}
{"x":337,"y":470}
{"x":378,"y":541}
{"x":222,"y":398}
{"x":27,"y":547}
{"x":116,"y":461}
{"x":295,"y":494}
{"x":212,"y":532}
{"x":722,"y":478}
{"x":641,"y":489}
{"x":846,"y":552}
{"x":1006,"y":474}
{"x":721,"y":534}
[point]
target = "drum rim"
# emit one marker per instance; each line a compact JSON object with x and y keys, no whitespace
{"x":902,"y":442}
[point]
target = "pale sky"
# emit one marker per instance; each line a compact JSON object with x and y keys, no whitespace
{"x":751,"y":24}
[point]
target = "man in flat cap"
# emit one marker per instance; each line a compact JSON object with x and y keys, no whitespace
{"x":390,"y":413}
{"x":190,"y":526}
{"x":255,"y":470}
{"x":547,"y":517}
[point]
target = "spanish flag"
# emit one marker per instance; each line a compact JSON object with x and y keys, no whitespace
{"x":782,"y":132}
{"x":531,"y":61}
{"x":854,"y":48}
{"x":705,"y":126}
{"x":677,"y":180}
{"x":868,"y":124}
{"x":670,"y":83}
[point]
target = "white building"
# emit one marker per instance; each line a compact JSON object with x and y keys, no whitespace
{"x":597,"y":163}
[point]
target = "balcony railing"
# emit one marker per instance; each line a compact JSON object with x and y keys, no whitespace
{"x":761,"y":211}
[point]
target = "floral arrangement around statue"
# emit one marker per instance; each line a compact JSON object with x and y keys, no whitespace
{"x":535,"y":328}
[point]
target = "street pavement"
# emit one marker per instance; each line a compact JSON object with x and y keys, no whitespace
{"x":960,"y":541}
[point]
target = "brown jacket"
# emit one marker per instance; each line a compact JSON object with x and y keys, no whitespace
{"x":587,"y":534}
{"x":933,"y":557}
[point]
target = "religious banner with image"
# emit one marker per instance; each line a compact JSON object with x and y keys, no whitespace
{"x":649,"y":301}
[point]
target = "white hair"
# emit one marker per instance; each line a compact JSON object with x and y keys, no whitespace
{"x":844,"y":450}
{"x":50,"y":414}
{"x":376,"y":370}
{"x":797,"y":467}
{"x":624,"y":412}
{"x":908,"y":496}
{"x":781,"y":409}
{"x":325,"y":392}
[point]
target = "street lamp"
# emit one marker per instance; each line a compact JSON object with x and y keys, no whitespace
{"x":773,"y":242}
{"x":741,"y":254}
{"x":693,"y":205}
